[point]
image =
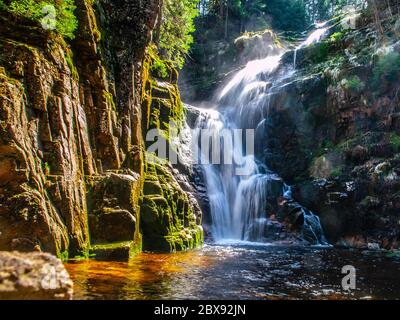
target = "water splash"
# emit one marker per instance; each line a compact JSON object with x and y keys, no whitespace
{"x":251,"y":72}
{"x":316,"y":36}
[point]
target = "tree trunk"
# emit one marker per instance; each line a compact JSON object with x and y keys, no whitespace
{"x":157,"y":30}
{"x":226,"y":21}
{"x":377,"y":17}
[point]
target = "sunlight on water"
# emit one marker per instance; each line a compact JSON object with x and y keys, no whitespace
{"x":251,"y":71}
{"x":314,"y":37}
{"x":237,"y":270}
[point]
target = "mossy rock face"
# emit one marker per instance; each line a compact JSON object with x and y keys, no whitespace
{"x":118,"y":251}
{"x":161,"y":100}
{"x":113,"y":208}
{"x":113,"y":225}
{"x":168,"y":218}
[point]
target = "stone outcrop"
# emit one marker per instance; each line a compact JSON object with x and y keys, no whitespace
{"x":171,"y":216}
{"x":33,"y":276}
{"x":333,"y":132}
{"x":72,"y":151}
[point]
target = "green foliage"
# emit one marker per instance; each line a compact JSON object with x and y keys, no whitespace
{"x":257,"y":14}
{"x":387,"y":69}
{"x":176,"y":29}
{"x":395,"y":141}
{"x":46,"y":168}
{"x":354,"y":84}
{"x":321,"y":52}
{"x":159,"y":69}
{"x":288,"y":15}
{"x":337,"y":172}
{"x":63,"y":256}
{"x":337,"y":36}
{"x":325,"y":9}
{"x":70,"y":61}
{"x":65,"y":20}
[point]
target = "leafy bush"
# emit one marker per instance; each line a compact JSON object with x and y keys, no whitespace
{"x":65,"y":20}
{"x":395,"y":141}
{"x":159,"y":69}
{"x":354,"y":84}
{"x":337,"y":36}
{"x":176,"y":29}
{"x":387,"y":69}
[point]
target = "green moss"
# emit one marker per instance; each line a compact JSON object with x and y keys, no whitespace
{"x":161,"y":99}
{"x":46,"y":168}
{"x":110,"y":100}
{"x":337,"y":36}
{"x":70,"y":61}
{"x":395,"y":141}
{"x":159,"y":69}
{"x":111,"y":246}
{"x":337,"y":172}
{"x":167,"y":216}
{"x":63,"y":256}
{"x":386,"y":70}
{"x":84,"y":255}
{"x":116,"y":251}
{"x":353,"y":84}
{"x":321,"y":52}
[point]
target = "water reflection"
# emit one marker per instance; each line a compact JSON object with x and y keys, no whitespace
{"x":239,"y":272}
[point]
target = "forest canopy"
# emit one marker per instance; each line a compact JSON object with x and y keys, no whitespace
{"x":54,"y":14}
{"x":226,"y":19}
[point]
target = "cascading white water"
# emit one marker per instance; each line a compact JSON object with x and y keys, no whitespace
{"x":238,"y":204}
{"x":314,"y":37}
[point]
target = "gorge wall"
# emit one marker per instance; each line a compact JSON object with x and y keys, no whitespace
{"x":74,"y":175}
{"x":332,"y":129}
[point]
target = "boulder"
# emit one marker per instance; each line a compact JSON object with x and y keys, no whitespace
{"x":33,"y":276}
{"x":112,"y":225}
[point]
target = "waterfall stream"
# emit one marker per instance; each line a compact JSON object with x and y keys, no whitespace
{"x":239,"y":204}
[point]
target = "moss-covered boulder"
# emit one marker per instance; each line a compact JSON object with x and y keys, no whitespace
{"x":168,"y":218}
{"x":114,"y":210}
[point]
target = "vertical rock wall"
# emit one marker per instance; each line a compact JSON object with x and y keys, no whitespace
{"x":71,"y":139}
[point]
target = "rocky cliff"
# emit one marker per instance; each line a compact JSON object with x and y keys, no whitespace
{"x":333,"y":130}
{"x":72,"y":153}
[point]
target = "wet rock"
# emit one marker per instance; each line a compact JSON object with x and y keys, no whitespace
{"x":336,"y":197}
{"x":258,"y":45}
{"x":70,"y":121}
{"x":112,"y":225}
{"x":33,"y":276}
{"x":290,"y":212}
{"x":358,"y":242}
{"x":382,"y":168}
{"x":359,"y":154}
{"x":117,"y":251}
{"x":114,"y":209}
{"x":373,"y":246}
{"x":192,"y":115}
{"x":170,"y":217}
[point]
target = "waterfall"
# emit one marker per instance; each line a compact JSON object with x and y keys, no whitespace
{"x":239,"y":204}
{"x":315,"y":36}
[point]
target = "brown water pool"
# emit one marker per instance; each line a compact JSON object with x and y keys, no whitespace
{"x":239,"y":271}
